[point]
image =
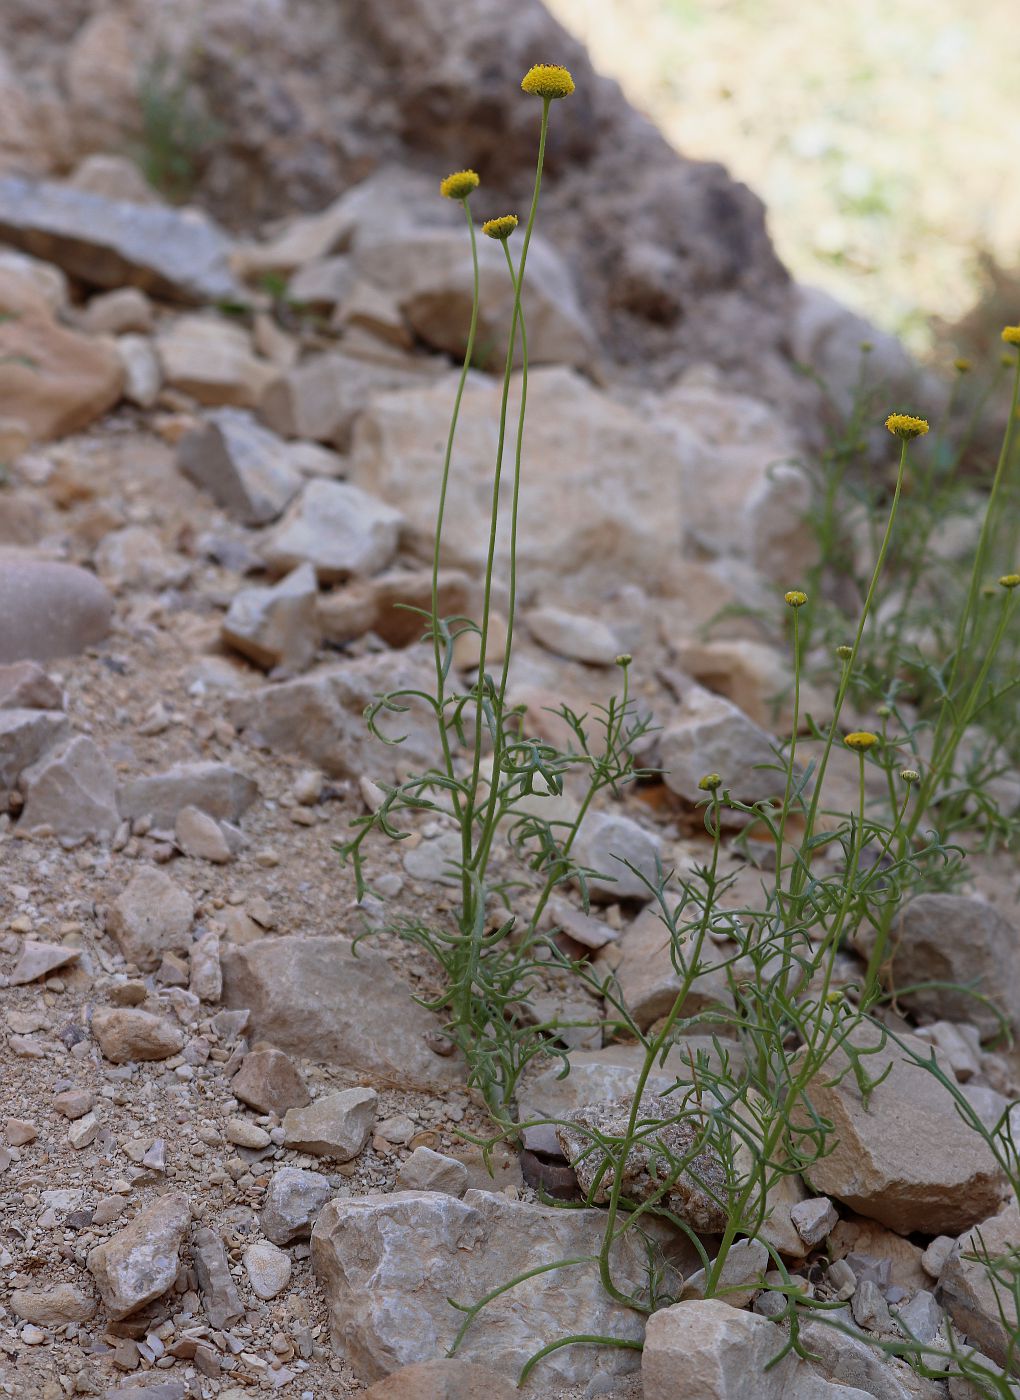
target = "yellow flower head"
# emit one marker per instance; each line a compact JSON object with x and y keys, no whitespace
{"x":500,"y":228}
{"x":795,"y":598}
{"x":910,"y":775}
{"x":1011,"y":335}
{"x":962,"y":366}
{"x":861,"y":740}
{"x":547,"y":80}
{"x":902,"y":425}
{"x":1010,"y":581}
{"x":459,"y":185}
{"x":710,"y":782}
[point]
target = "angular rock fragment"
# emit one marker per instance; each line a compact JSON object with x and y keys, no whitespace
{"x":243,"y":466}
{"x":339,"y":529}
{"x":139,"y":1263}
{"x":335,"y":1125}
{"x":53,"y":1307}
{"x":72,"y":792}
{"x":708,"y":734}
{"x":293,"y":1201}
{"x":279,"y":625}
{"x":38,"y":960}
{"x":426,"y":1170}
{"x":977,"y":1302}
{"x":269,"y":1082}
{"x":151,"y":916}
{"x":201,"y":836}
{"x":220,"y":1297}
{"x":24,"y":685}
{"x":215,"y":788}
{"x":611,"y":843}
{"x":125,"y":1034}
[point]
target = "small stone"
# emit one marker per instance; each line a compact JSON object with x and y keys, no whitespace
{"x":611,"y":844}
{"x":242,"y":464}
{"x":48,"y":610}
{"x":308,"y":785}
{"x":84,"y":1131}
{"x":53,"y":1307}
{"x":155,"y":1157}
{"x":921,"y":1318}
{"x":336,"y":1125}
{"x":936,"y":1256}
{"x":20,"y":1131}
{"x":216,"y":788}
{"x":813,"y":1219}
{"x":293,"y":1201}
{"x":741,"y":1277}
{"x":74,"y":1103}
{"x":268,"y":1269}
{"x":276,"y":626}
{"x":25,"y":735}
{"x":24,"y":685}
{"x":268,"y":1081}
{"x":242,"y":1133}
{"x":114,"y":313}
{"x":126,"y":1034}
{"x":32,"y":1336}
{"x":220,"y":1297}
{"x":573,"y":636}
{"x":206,"y":971}
{"x":139,"y":1263}
{"x":71,"y":792}
{"x":151,"y":916}
{"x":39,"y":959}
{"x":869,"y":1308}
{"x":339,"y":529}
{"x":426,"y":1170}
{"x":201,"y":836}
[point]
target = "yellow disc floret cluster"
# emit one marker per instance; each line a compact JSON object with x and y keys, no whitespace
{"x":459,"y":185}
{"x":902,"y":425}
{"x":500,"y":228}
{"x":1010,"y":581}
{"x":548,"y":80}
{"x":1011,"y":335}
{"x":861,"y":740}
{"x":795,"y":598}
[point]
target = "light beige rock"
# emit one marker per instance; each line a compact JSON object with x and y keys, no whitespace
{"x":426,"y":1170}
{"x":445,"y":1379}
{"x":206,"y":980}
{"x":213,"y":360}
{"x":60,"y":380}
{"x":279,"y":625}
{"x":388,"y":1264}
{"x":25,"y":686}
{"x":757,"y":678}
{"x":71,"y":792}
{"x":245,"y":468}
{"x":151,"y":916}
{"x":601,"y":493}
{"x":334,"y":1125}
{"x":342,"y":531}
{"x":135,"y":557}
{"x":311,"y":996}
{"x":968,"y":1292}
{"x":113,"y":177}
{"x":383,"y":605}
{"x":268,"y":1269}
{"x":126,"y":1033}
{"x":322,"y":397}
{"x":650,"y":982}
{"x":139,"y":1263}
{"x":39,"y":959}
{"x":25,"y":735}
{"x":906,"y":1160}
{"x":143,"y":373}
{"x":48,"y":610}
{"x":269,"y":1082}
{"x":53,"y":1307}
{"x":708,"y":734}
{"x":216,"y":788}
{"x":46,"y":280}
{"x":610,"y":843}
{"x":121,"y":312}
{"x":574,"y":636}
{"x":201,"y":836}
{"x":294,"y":1199}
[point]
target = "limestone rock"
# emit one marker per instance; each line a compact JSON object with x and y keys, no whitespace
{"x":740,"y":1278}
{"x":321,"y":398}
{"x":143,"y":373}
{"x":134,"y":557}
{"x":860,"y":1369}
{"x":649,"y":1160}
{"x":176,"y":255}
{"x":25,"y":735}
{"x":268,"y":1081}
{"x":708,"y":734}
{"x":49,"y":610}
{"x":139,"y":1263}
{"x":215,"y":788}
{"x":72,"y":792}
{"x":389,"y":1263}
{"x":813,"y":1219}
{"x":968,"y":1292}
{"x":650,"y":982}
{"x":113,"y":177}
{"x":120,"y":312}
{"x":47,"y":281}
{"x":293,"y":1201}
{"x":335,"y":1125}
{"x":574,"y":636}
{"x":151,"y":916}
{"x":38,"y":960}
{"x":24,"y":685}
{"x":426,"y":1170}
{"x":955,"y":939}
{"x":58,"y":380}
{"x":206,"y":980}
{"x":601,"y":494}
{"x":430,"y":280}
{"x":53,"y":1307}
{"x":609,"y":843}
{"x":445,"y":1379}
{"x":382,"y":605}
{"x":268,"y":1269}
{"x":321,"y":717}
{"x":279,"y":625}
{"x":220,"y":1297}
{"x":126,"y":1033}
{"x":244,"y":467}
{"x":907,"y":1160}
{"x":340,"y":530}
{"x":311,"y":996}
{"x":201,"y":836}
{"x":212,"y":360}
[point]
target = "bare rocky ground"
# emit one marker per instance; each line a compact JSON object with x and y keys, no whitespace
{"x":236,"y":1157}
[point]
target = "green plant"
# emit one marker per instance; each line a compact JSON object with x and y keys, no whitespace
{"x":176,"y":131}
{"x":781,"y":1014}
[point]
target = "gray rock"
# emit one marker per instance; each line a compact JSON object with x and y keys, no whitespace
{"x":279,"y":625}
{"x":610,"y":843}
{"x":854,"y":1361}
{"x":201,"y":836}
{"x":709,"y":734}
{"x":339,"y":529}
{"x":969,"y":1292}
{"x":220,"y":1297}
{"x":49,"y":610}
{"x":72,"y":792}
{"x":920,"y":1318}
{"x":177,"y":255}
{"x":322,"y":397}
{"x":269,"y":1082}
{"x":650,"y":982}
{"x":313,"y":997}
{"x":740,"y":1278}
{"x":388,"y":1264}
{"x":151,"y":916}
{"x":243,"y":466}
{"x":294,"y":1199}
{"x":574,"y":636}
{"x":139,"y":1263}
{"x":206,"y":980}
{"x":268,"y":1269}
{"x":426,"y":1170}
{"x":654,"y":1157}
{"x":25,"y":686}
{"x":25,"y":735}
{"x":143,"y":373}
{"x":39,"y":959}
{"x":813,"y":1219}
{"x":215,"y":788}
{"x":335,"y":1125}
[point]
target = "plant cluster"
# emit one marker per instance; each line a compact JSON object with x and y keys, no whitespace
{"x":789,"y":1017}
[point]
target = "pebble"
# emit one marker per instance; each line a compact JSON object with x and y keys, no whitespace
{"x":84,"y":1132}
{"x":268,"y":1269}
{"x":20,"y":1132}
{"x":244,"y":1134}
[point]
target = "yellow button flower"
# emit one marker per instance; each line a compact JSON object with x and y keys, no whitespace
{"x":459,"y":185}
{"x":1011,"y":335}
{"x":500,"y":228}
{"x":861,"y":740}
{"x":902,"y":425}
{"x":1010,"y":581}
{"x":795,"y":598}
{"x":710,"y":782}
{"x":547,"y":80}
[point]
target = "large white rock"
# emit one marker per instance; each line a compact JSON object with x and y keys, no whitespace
{"x":139,"y":1263}
{"x":388,"y":1265}
{"x":342,"y":531}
